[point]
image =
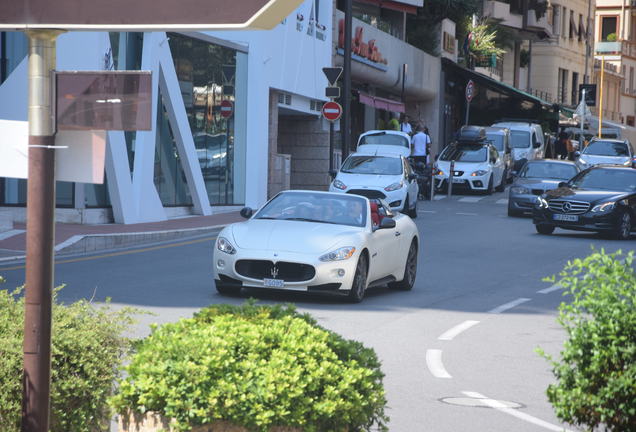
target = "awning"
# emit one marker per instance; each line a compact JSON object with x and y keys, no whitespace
{"x":381,"y":103}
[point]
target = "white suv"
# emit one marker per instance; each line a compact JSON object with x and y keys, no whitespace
{"x":378,"y":175}
{"x":526,"y":140}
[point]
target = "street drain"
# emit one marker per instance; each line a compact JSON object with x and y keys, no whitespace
{"x":476,"y":403}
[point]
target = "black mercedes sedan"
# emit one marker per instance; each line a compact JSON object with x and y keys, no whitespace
{"x":601,"y":198}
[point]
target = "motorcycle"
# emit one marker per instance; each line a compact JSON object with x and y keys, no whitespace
{"x":424,"y":177}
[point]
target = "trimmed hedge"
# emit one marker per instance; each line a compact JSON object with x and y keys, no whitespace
{"x":596,"y":375}
{"x":87,"y":348}
{"x":258,"y":367}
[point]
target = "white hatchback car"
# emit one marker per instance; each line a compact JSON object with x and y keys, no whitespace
{"x":385,"y":141}
{"x":386,"y":176}
{"x":477,"y":166}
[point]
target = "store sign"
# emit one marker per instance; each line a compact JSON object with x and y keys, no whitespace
{"x":362,"y":51}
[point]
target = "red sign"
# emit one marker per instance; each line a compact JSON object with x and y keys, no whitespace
{"x":227,"y":109}
{"x":470,"y":90}
{"x":331,"y":111}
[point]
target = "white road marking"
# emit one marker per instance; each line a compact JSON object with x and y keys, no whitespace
{"x":470,"y":199}
{"x":439,"y":197}
{"x":510,"y":305}
{"x":426,"y":211}
{"x":435,"y":365}
{"x":450,"y":334}
{"x":502,"y":201}
{"x":548,"y":290}
{"x":513,"y":412}
{"x":467,"y":214}
{"x":8,"y":234}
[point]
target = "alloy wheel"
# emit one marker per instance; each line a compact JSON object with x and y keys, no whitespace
{"x":358,"y":286}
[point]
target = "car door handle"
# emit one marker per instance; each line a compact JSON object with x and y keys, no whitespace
{"x":397,"y":233}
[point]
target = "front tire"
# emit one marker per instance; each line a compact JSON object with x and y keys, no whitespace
{"x":490,"y":186}
{"x":502,"y":185}
{"x":624,"y":228}
{"x":359,"y":284}
{"x":410,"y":270}
{"x":545,"y":229}
{"x":412,"y":212}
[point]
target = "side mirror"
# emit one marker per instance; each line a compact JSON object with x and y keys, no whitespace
{"x":563,"y":184}
{"x":247,"y":212}
{"x":577,"y":154}
{"x":387,"y":222}
{"x":412,"y":176}
{"x":536,"y":144}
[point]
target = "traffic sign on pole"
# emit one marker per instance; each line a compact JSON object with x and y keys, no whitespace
{"x":331,"y":111}
{"x":332,"y":74}
{"x":227,"y":109}
{"x":470,"y":90}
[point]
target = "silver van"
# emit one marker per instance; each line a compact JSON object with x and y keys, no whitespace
{"x":526,"y":140}
{"x":500,"y":138}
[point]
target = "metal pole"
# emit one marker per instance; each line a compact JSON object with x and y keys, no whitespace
{"x":587,"y":41}
{"x":331,"y":147}
{"x":404,"y":66}
{"x":600,"y":104}
{"x":467,"y":112}
{"x":450,"y":178}
{"x":581,"y":135}
{"x":345,"y":122}
{"x":432,"y":181}
{"x":40,"y":234}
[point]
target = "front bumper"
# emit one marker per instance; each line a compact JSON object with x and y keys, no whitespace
{"x":465,"y":181}
{"x":586,"y":222}
{"x":329,"y":276}
{"x":395,"y":198}
{"x":522,"y":202}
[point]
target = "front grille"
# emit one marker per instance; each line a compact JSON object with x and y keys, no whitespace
{"x":537,"y":191}
{"x":569,"y":207}
{"x":287,"y":271}
{"x":369,"y":193}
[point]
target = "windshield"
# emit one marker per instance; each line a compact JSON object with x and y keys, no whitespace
{"x":519,"y":139}
{"x":465,"y":153}
{"x":383,"y":138}
{"x":497,"y":140}
{"x":607,"y":179}
{"x":606,"y":148}
{"x":372,"y":165}
{"x":316,"y":207}
{"x":547,"y":170}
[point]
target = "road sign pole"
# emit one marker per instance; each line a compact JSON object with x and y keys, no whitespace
{"x":40,"y":234}
{"x":331,"y":146}
{"x":450,"y":178}
{"x":467,"y":112}
{"x":345,"y":123}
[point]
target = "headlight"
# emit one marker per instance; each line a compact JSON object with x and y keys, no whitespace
{"x":479,"y":173}
{"x":224,"y":245}
{"x":604,"y":207}
{"x":394,"y":186}
{"x":439,"y":172}
{"x":339,"y":185}
{"x":541,"y":203}
{"x":520,"y":190}
{"x":523,"y":155}
{"x":339,"y":254}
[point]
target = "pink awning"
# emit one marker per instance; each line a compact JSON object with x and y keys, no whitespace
{"x":381,"y":103}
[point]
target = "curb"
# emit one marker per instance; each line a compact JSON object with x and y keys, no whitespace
{"x":85,"y":243}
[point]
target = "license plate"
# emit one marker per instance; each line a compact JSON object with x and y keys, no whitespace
{"x":566,"y":217}
{"x":273,"y":283}
{"x":456,"y":180}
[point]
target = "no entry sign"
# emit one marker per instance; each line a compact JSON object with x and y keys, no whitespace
{"x":227,"y":109}
{"x":470,"y":90}
{"x":331,"y":111}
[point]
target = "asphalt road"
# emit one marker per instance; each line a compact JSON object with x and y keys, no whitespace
{"x":457,"y":351}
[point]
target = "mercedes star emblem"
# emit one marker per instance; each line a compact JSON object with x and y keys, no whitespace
{"x":567,"y":207}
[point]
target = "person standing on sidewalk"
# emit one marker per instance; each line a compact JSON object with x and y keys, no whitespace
{"x":405,"y":125}
{"x":420,"y":142}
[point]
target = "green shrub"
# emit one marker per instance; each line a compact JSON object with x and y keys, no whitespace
{"x":258,"y":367}
{"x":86,"y":350}
{"x":596,"y":375}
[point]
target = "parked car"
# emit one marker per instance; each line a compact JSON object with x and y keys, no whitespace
{"x":600,"y":198}
{"x":386,"y":141}
{"x":500,"y":138}
{"x":605,"y":151}
{"x":386,"y":176}
{"x":317,"y":242}
{"x":477,"y":167}
{"x":536,"y":178}
{"x":526,"y":140}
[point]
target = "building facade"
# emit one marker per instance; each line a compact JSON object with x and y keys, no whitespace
{"x":195,"y":160}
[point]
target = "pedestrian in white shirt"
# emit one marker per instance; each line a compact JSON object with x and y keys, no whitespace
{"x":420,"y":142}
{"x":405,"y":125}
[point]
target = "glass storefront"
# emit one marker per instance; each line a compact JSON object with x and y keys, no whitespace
{"x":212,"y":80}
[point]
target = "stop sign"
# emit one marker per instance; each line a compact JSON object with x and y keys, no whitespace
{"x":227,"y":109}
{"x":331,"y":111}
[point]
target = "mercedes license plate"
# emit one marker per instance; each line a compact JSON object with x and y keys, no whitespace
{"x":458,"y":180}
{"x":273,"y":283}
{"x":566,"y":217}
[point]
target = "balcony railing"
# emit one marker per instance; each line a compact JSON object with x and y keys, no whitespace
{"x":627,"y":48}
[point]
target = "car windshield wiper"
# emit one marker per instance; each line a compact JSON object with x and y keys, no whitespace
{"x":267,"y":217}
{"x":310,"y":220}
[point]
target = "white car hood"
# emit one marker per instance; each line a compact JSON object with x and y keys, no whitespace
{"x":290,"y":236}
{"x":520,"y":153}
{"x":596,"y":159}
{"x":368,"y":181}
{"x":467,"y":167}
{"x":384,"y":149}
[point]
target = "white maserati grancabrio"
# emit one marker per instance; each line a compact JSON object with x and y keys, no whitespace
{"x":318,"y":242}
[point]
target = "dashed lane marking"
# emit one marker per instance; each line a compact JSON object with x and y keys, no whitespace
{"x":435,"y":365}
{"x":502,"y":201}
{"x":459,"y":328}
{"x":439,"y":197}
{"x":467,"y":214}
{"x":548,"y":290}
{"x":470,"y":199}
{"x":499,"y":406}
{"x":509,"y":305}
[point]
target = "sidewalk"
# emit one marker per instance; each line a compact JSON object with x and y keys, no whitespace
{"x":76,"y":238}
